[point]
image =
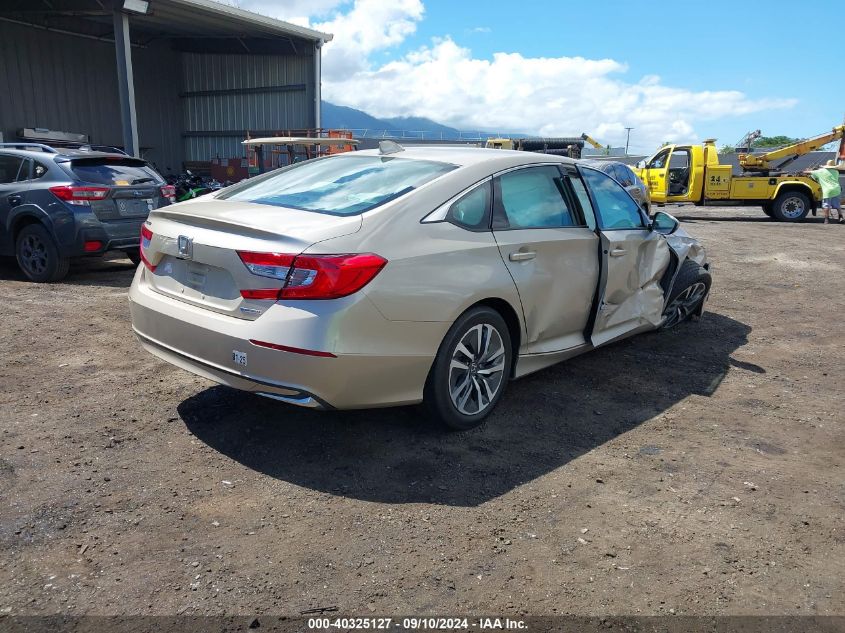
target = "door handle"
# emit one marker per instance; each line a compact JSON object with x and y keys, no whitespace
{"x":522,"y":256}
{"x":618,"y":252}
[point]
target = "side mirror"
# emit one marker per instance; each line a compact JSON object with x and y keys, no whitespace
{"x":641,"y":164}
{"x":664,"y":223}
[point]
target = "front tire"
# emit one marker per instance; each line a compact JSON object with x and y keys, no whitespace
{"x":471,"y":369}
{"x":38,"y":256}
{"x":691,"y":287}
{"x":791,"y":206}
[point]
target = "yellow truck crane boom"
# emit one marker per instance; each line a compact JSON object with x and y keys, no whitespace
{"x":763,"y":162}
{"x":693,"y":174}
{"x":592,"y":141}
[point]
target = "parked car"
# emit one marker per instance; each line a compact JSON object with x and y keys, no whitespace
{"x":56,"y":204}
{"x":626,"y":177}
{"x":388,"y":277}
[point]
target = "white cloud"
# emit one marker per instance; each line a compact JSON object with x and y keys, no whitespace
{"x":511,"y":93}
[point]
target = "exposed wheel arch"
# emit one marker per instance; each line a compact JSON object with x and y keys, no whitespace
{"x":22,"y":221}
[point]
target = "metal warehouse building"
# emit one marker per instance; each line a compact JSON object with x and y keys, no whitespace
{"x":171,"y":80}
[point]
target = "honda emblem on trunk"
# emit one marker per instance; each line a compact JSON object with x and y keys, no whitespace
{"x":186,"y":247}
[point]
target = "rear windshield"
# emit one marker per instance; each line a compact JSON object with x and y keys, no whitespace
{"x":342,"y":185}
{"x":121,"y":172}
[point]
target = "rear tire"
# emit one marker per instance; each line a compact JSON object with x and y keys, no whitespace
{"x":791,"y":206}
{"x":767,"y":209}
{"x":134,"y":256}
{"x":691,"y":287}
{"x":471,"y":369}
{"x":38,"y":256}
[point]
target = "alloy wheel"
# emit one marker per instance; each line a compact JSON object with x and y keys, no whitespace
{"x":684,"y":304}
{"x":33,"y":254}
{"x":476,"y":370}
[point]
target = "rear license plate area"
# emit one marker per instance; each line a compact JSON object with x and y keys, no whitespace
{"x":131,"y":207}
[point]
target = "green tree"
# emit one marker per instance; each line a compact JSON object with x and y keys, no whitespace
{"x":727,"y":149}
{"x":774,"y":141}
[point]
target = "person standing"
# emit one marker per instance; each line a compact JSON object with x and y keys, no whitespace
{"x":828,"y":179}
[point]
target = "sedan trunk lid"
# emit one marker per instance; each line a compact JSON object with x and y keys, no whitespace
{"x":194,"y":249}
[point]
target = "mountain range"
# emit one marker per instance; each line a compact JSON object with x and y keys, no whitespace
{"x":336,"y":116}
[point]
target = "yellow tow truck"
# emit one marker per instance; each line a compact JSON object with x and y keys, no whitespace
{"x":693,"y":174}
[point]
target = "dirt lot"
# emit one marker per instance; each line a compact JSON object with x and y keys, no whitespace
{"x":700,"y":471}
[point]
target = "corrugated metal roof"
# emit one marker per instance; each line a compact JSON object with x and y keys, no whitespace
{"x":205,"y":15}
{"x":167,"y":18}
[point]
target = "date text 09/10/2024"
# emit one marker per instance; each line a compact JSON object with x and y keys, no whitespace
{"x":431,"y":623}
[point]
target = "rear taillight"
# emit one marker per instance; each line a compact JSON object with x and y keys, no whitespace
{"x":79,"y":195}
{"x":169,"y":192}
{"x":146,"y":238}
{"x":273,"y":265}
{"x":312,"y":276}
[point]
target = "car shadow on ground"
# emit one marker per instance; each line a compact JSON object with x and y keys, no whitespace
{"x":544,"y":421}
{"x":113,"y":271}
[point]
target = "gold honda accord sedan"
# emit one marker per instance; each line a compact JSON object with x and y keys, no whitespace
{"x":404,"y":275}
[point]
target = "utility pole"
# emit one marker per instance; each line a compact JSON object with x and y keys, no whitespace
{"x":628,"y":139}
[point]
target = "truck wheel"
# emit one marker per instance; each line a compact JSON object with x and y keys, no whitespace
{"x":767,"y":209}
{"x":791,"y":206}
{"x":38,"y":256}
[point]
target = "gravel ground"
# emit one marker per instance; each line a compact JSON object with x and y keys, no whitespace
{"x":699,"y":471}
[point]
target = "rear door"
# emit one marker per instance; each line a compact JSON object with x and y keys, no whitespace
{"x":633,"y":262}
{"x":14,"y":182}
{"x":549,"y":251}
{"x":656,"y":175}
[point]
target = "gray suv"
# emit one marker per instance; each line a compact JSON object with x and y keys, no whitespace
{"x":59,"y":203}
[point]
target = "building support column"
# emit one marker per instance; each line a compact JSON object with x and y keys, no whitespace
{"x":125,"y":83}
{"x":318,"y":71}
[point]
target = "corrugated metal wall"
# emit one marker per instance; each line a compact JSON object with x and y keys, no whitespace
{"x":63,"y":82}
{"x":235,"y":112}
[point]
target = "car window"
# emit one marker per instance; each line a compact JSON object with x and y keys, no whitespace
{"x":341,"y":185}
{"x":625,"y":176}
{"x":38,"y":170}
{"x":472,"y":210}
{"x":659,"y":161}
{"x":9,"y":168}
{"x":584,"y":199}
{"x":121,"y":172}
{"x":614,"y":172}
{"x":533,"y":198}
{"x":24,"y":171}
{"x":617,"y":209}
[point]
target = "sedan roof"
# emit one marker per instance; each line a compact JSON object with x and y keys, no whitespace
{"x":466,"y":156}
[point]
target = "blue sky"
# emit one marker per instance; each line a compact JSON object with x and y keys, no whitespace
{"x":757,"y":48}
{"x":559,"y":67}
